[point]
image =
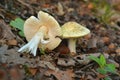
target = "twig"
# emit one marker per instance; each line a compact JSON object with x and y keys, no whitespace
{"x":94,"y":71}
{"x":87,"y":66}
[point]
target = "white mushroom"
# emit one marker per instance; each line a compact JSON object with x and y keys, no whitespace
{"x":36,"y":30}
{"x":72,"y":31}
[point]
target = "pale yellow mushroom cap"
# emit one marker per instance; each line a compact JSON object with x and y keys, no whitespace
{"x":74,"y":30}
{"x":33,"y":24}
{"x":50,"y":22}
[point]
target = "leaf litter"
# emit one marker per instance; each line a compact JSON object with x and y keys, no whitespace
{"x":103,"y":39}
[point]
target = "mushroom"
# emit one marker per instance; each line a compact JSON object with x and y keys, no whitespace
{"x":72,"y":31}
{"x":42,"y":32}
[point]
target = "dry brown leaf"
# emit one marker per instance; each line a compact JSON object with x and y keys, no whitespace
{"x":61,"y":75}
{"x":106,"y":39}
{"x":12,"y":42}
{"x":90,"y":6}
{"x":46,"y":5}
{"x":6,"y":31}
{"x":92,"y":43}
{"x":100,"y":76}
{"x":111,"y":46}
{"x":33,"y":71}
{"x":48,"y":64}
{"x":66,"y":62}
{"x":12,"y":56}
{"x":7,"y":34}
{"x":15,"y":73}
{"x":3,"y":73}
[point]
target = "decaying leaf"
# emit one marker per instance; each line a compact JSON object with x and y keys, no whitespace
{"x":92,"y":43}
{"x":11,"y":56}
{"x":48,"y":64}
{"x":15,"y":73}
{"x":7,"y":34}
{"x":61,"y":75}
{"x":12,"y":42}
{"x":33,"y":71}
{"x":66,"y":62}
{"x":6,"y":31}
{"x":3,"y":73}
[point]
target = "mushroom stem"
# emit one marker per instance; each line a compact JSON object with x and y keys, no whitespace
{"x":32,"y":45}
{"x":72,"y":45}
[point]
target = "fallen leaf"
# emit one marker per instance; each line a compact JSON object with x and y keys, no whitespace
{"x":100,"y":76}
{"x":12,"y":42}
{"x":33,"y":71}
{"x":84,"y":58}
{"x":48,"y":64}
{"x":6,"y":31}
{"x":90,"y":6}
{"x":65,"y":62}
{"x":7,"y":34}
{"x":3,"y":74}
{"x":45,"y":5}
{"x":15,"y":73}
{"x":106,"y":39}
{"x":111,"y":46}
{"x":92,"y":43}
{"x":61,"y":75}
{"x":12,"y":56}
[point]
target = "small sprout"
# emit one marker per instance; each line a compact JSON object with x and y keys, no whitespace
{"x":18,"y":23}
{"x":42,"y":51}
{"x":104,"y":68}
{"x":37,"y":30}
{"x":72,"y":31}
{"x":103,"y":10}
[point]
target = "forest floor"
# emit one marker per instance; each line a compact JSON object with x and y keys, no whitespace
{"x":101,"y":18}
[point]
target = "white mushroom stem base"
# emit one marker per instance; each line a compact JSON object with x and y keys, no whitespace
{"x":72,"y":45}
{"x":32,"y":45}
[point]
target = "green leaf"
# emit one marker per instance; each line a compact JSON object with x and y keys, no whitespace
{"x":102,"y":71}
{"x":96,"y":59}
{"x":110,"y":68}
{"x":42,"y":51}
{"x":18,"y":23}
{"x":107,"y":78}
{"x":102,"y":61}
{"x":21,"y":34}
